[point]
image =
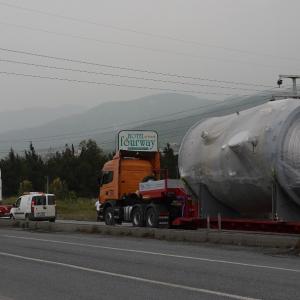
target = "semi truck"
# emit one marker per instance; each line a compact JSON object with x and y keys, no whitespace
{"x":239,"y":171}
{"x":134,"y":188}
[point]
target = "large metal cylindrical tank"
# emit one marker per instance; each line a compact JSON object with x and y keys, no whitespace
{"x":239,"y":156}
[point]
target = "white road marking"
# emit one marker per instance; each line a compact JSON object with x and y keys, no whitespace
{"x":157,"y":253}
{"x":124,"y":276}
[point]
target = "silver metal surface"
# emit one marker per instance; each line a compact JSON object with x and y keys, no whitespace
{"x":238,"y":157}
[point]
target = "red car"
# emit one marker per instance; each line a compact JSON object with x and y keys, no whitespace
{"x":5,"y":211}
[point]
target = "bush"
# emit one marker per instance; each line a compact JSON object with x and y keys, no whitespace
{"x":25,"y":187}
{"x":59,"y":188}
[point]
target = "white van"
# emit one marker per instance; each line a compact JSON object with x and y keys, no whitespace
{"x":35,"y":206}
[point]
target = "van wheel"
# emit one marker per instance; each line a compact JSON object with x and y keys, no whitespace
{"x":137,"y":217}
{"x":109,"y":217}
{"x":152,"y":218}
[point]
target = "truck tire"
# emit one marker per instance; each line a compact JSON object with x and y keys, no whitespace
{"x":109,"y":216}
{"x":137,"y":217}
{"x":52,"y":220}
{"x":152,"y":217}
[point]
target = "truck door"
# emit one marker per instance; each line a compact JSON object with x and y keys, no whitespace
{"x":50,"y":206}
{"x":107,"y":186}
{"x":39,"y":204}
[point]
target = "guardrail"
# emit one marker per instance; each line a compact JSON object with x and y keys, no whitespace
{"x":196,"y":236}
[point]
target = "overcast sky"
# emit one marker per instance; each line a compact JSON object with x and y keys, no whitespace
{"x":228,"y":40}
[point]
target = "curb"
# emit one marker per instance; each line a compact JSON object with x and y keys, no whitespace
{"x":253,"y":239}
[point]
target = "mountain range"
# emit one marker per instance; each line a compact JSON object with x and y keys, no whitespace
{"x":99,"y":123}
{"x":171,"y":115}
{"x":35,"y":116}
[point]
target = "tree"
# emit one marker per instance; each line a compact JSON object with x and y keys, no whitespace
{"x":34,"y":168}
{"x":25,"y":187}
{"x":59,"y":188}
{"x":66,"y":170}
{"x":169,"y":161}
{"x":91,"y":161}
{"x":12,"y":168}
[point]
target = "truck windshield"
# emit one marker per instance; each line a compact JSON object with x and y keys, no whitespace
{"x":107,"y":177}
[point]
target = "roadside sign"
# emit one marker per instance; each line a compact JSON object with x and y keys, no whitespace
{"x":137,"y":140}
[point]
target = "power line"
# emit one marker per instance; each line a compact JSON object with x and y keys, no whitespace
{"x":108,"y":129}
{"x":125,"y":76}
{"x":129,"y":68}
{"x":138,"y":122}
{"x":116,"y":84}
{"x":170,"y":133}
{"x":171,"y":38}
{"x":138,"y":46}
{"x":163,"y":133}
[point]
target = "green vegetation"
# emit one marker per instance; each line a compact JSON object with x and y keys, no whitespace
{"x":25,"y":187}
{"x":79,"y":209}
{"x":9,"y":201}
{"x":169,"y":162}
{"x":68,"y":173}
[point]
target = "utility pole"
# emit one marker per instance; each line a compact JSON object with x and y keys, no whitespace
{"x":47,"y":184}
{"x":294,"y":78}
{"x":0,"y":186}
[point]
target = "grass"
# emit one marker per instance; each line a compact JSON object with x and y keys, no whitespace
{"x":9,"y":201}
{"x":81,"y":209}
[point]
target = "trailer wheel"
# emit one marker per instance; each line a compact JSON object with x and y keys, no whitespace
{"x":109,"y":217}
{"x":152,"y":218}
{"x":137,"y":217}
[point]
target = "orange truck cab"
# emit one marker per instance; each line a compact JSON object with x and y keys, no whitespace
{"x":137,"y":160}
{"x":121,"y":175}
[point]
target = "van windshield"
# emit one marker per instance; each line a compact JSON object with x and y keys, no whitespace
{"x":39,"y":200}
{"x":51,"y":200}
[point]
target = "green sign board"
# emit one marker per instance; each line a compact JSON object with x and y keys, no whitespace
{"x":135,"y":140}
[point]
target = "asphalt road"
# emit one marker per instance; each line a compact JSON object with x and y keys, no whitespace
{"x":82,"y":266}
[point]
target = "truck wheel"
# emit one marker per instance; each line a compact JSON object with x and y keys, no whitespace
{"x":152,"y":218}
{"x":137,"y":217}
{"x":109,"y":217}
{"x":52,"y":220}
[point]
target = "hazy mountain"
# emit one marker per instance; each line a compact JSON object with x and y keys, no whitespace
{"x":171,"y":115}
{"x":36,"y":116}
{"x":173,"y":130}
{"x":100,"y":121}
